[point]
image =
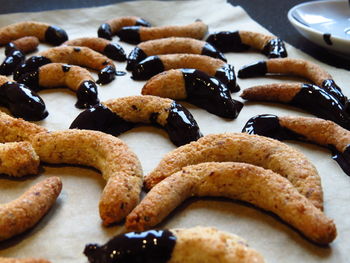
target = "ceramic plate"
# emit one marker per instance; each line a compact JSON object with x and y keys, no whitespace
{"x":326,"y":23}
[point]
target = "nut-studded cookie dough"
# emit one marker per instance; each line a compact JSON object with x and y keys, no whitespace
{"x":76,"y":78}
{"x":235,"y":41}
{"x":21,"y":101}
{"x":305,"y":96}
{"x":258,"y":186}
{"x":23,"y":260}
{"x":212,"y":66}
{"x":108,"y":29}
{"x":192,"y":245}
{"x":298,"y":67}
{"x":137,"y":34}
{"x":195,"y":87}
{"x":81,"y":56}
{"x":314,"y":130}
{"x":119,"y":166}
{"x":101,"y":45}
{"x":44,"y":32}
{"x":24,"y":212}
{"x":171,"y":45}
{"x":241,"y":147}
{"x":116,"y":116}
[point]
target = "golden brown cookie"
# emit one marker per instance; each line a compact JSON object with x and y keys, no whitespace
{"x":233,"y":41}
{"x":241,"y":147}
{"x":116,"y":116}
{"x":108,"y":29}
{"x":137,"y":34}
{"x":260,"y":187}
{"x":196,"y":87}
{"x":23,"y":260}
{"x":24,"y":212}
{"x":119,"y":166}
{"x":171,"y":45}
{"x":81,"y":56}
{"x":101,"y":45}
{"x":192,"y":245}
{"x":54,"y":75}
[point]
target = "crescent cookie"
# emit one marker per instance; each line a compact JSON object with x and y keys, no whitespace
{"x":260,"y":187}
{"x":298,"y":67}
{"x":233,"y":41}
{"x":315,"y":130}
{"x":305,"y":96}
{"x":241,"y":147}
{"x":24,"y":212}
{"x":21,"y":101}
{"x":137,"y":34}
{"x":119,"y":166}
{"x":44,"y":32}
{"x":195,"y":87}
{"x":116,"y":116}
{"x":23,"y":260}
{"x":212,"y":66}
{"x":81,"y":56}
{"x":112,"y":26}
{"x":192,"y":245}
{"x":101,"y":45}
{"x":171,"y":45}
{"x":76,"y":78}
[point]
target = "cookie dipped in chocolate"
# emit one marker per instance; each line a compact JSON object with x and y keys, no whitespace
{"x":87,"y":95}
{"x":115,"y":51}
{"x":11,"y":62}
{"x":153,"y":246}
{"x":55,"y":35}
{"x":227,"y":41}
{"x":30,"y":65}
{"x":275,"y":49}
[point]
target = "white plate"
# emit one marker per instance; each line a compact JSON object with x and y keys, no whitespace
{"x":326,"y":23}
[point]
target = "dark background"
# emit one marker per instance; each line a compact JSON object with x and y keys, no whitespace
{"x":272,"y":14}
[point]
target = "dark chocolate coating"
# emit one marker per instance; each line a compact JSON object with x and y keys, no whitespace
{"x":101,"y":118}
{"x":211,"y":51}
{"x":55,"y":35}
{"x":153,"y":246}
{"x":135,"y":56}
{"x":87,"y":95}
{"x":106,"y":75}
{"x":253,"y":70}
{"x":22,"y":102}
{"x":275,"y":49}
{"x":11,"y":62}
{"x":105,"y":31}
{"x":226,"y":74}
{"x":209,"y":93}
{"x":115,"y":51}
{"x":31,"y":64}
{"x":332,"y":88}
{"x":31,"y":80}
{"x":142,"y":22}
{"x":342,"y":158}
{"x":227,"y":41}
{"x":181,"y":127}
{"x":130,"y":34}
{"x":147,"y":68}
{"x":9,"y":48}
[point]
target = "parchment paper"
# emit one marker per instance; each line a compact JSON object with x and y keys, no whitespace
{"x":74,"y":220}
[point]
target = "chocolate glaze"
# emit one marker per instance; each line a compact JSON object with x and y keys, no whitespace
{"x":66,"y":68}
{"x":22,"y":102}
{"x":275,"y":49}
{"x":31,"y":64}
{"x":105,"y":31}
{"x":129,"y":34}
{"x":253,"y":70}
{"x":142,"y":22}
{"x":211,"y":51}
{"x":181,"y":127}
{"x":227,"y":41}
{"x":153,"y":246}
{"x":106,"y":75}
{"x":31,"y":80}
{"x":209,"y":93}
{"x":87,"y":95}
{"x":147,"y":68}
{"x":269,"y":125}
{"x":135,"y":56}
{"x":115,"y":51}
{"x":226,"y":74}
{"x":100,"y":118}
{"x":327,"y":39}
{"x":10,"y":48}
{"x":11,"y":62}
{"x":55,"y":35}
{"x":332,"y":88}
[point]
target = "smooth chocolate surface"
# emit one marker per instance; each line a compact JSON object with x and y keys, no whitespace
{"x":135,"y":56}
{"x":55,"y":35}
{"x":226,"y":74}
{"x":31,"y":80}
{"x":106,"y":75}
{"x":105,"y":31}
{"x":11,"y":62}
{"x":30,"y":65}
{"x":332,"y":88}
{"x":142,"y":22}
{"x":227,"y":41}
{"x":115,"y":51}
{"x":153,"y":246}
{"x":130,"y":34}
{"x":211,"y":51}
{"x":147,"y":68}
{"x":87,"y":95}
{"x":275,"y":48}
{"x":253,"y":70}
